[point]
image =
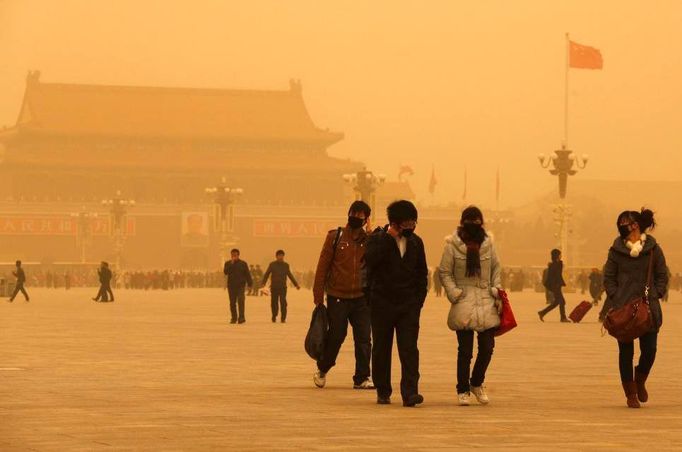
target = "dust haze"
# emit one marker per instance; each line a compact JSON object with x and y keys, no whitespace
{"x":441,"y":87}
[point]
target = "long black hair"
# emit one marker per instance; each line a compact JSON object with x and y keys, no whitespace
{"x":644,"y":218}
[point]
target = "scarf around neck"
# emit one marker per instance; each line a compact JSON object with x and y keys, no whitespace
{"x":473,"y":265}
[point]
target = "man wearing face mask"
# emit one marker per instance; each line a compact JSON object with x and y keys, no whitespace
{"x":340,"y":271}
{"x":398,"y":279}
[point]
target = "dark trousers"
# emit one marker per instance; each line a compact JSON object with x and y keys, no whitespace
{"x":558,"y":301}
{"x":237,"y":297}
{"x":340,"y":312}
{"x":465,"y":353}
{"x":105,"y":293}
{"x":19,"y":288}
{"x":278,"y":298}
{"x":647,"y":348}
{"x":404,"y":321}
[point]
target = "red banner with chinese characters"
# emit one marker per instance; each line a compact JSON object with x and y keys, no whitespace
{"x":56,"y":225}
{"x":292,"y":228}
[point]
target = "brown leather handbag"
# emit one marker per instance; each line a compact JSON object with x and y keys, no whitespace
{"x":634,"y":319}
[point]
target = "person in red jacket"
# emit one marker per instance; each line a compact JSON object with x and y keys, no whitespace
{"x":339,"y":273}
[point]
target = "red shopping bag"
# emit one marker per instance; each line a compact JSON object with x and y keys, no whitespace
{"x":507,"y":320}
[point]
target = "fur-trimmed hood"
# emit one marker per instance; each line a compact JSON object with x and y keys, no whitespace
{"x":621,"y":247}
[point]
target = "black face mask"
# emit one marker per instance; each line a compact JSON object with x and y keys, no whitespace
{"x":355,"y":222}
{"x":472,"y":229}
{"x":407,"y":233}
{"x":624,"y":230}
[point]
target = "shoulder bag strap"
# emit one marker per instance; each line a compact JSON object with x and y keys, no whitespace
{"x":649,"y":274}
{"x":335,"y":244}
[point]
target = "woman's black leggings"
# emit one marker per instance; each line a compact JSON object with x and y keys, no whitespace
{"x":465,"y":353}
{"x":647,"y":347}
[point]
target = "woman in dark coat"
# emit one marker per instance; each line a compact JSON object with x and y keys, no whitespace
{"x":625,"y":278}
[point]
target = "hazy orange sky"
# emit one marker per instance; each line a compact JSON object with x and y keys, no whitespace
{"x":445,"y":83}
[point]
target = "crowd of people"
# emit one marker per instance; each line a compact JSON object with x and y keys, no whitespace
{"x":377,"y":281}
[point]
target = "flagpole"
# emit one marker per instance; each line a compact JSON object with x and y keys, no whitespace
{"x":568,"y":56}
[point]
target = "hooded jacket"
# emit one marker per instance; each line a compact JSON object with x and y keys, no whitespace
{"x":625,"y":277}
{"x":472,"y":298}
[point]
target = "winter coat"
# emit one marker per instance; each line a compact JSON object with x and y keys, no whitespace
{"x":340,"y":272}
{"x":394,"y":279}
{"x":625,"y":277}
{"x":238,"y":274}
{"x":280,"y":271}
{"x":596,"y":284}
{"x":555,"y":278}
{"x":473,"y":299}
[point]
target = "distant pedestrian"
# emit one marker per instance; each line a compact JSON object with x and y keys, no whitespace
{"x":21,"y":280}
{"x":596,"y":285}
{"x":253,"y":290}
{"x":554,"y":284}
{"x":471,"y":275}
{"x":583,"y":282}
{"x":105,"y":293}
{"x":278,"y":285}
{"x":258,"y":275}
{"x":625,"y":278}
{"x":238,"y":278}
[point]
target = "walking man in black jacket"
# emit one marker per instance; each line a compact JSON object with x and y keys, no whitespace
{"x":554,"y":283}
{"x":105,"y":293}
{"x":238,"y":277}
{"x":278,"y":285}
{"x":21,"y":280}
{"x":397,"y":277}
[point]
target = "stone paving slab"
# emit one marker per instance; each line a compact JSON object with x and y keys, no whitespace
{"x":165,"y":371}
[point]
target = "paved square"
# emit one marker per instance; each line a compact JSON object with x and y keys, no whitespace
{"x":165,"y":371}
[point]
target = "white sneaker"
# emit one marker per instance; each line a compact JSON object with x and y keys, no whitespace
{"x":367,"y":384}
{"x":464,"y":398}
{"x":320,"y":379}
{"x":481,"y":396}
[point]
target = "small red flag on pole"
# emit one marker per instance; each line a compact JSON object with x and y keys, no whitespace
{"x":584,"y":57}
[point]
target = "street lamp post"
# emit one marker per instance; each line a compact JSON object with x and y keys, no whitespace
{"x":365,"y":184}
{"x":563,"y":164}
{"x":118,"y":208}
{"x":84,"y":223}
{"x":225,"y":198}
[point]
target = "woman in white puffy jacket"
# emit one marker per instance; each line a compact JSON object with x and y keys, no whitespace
{"x":470,"y":273}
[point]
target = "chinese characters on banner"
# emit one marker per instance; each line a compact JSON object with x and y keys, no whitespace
{"x":57,"y":225}
{"x":292,"y":228}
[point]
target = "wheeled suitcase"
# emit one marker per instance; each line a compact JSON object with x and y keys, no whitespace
{"x":579,"y":312}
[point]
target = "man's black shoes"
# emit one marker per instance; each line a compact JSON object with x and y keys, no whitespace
{"x":413,"y":400}
{"x":233,"y":321}
{"x":383,"y":400}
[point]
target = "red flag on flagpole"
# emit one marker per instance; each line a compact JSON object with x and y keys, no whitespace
{"x":433,"y":181}
{"x":584,"y":57}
